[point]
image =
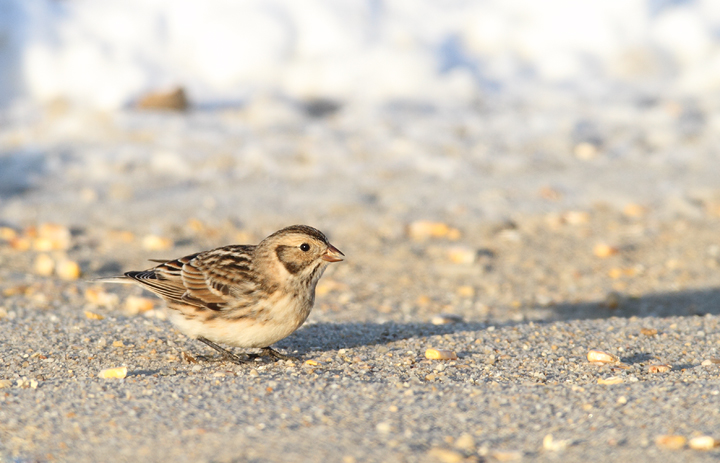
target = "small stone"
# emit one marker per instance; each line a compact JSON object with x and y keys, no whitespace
{"x":135,"y":304}
{"x":585,"y":151}
{"x":612,"y":300}
{"x":506,"y":455}
{"x":383,"y":427}
{"x":552,"y":445}
{"x":113,"y":373}
{"x":5,"y":383}
{"x":93,"y":316}
{"x":709,"y":362}
{"x":439,"y":354}
{"x":7,"y":234}
{"x":175,"y":100}
{"x":465,"y":442}
{"x":604,"y":250}
{"x":52,"y":237}
{"x":68,"y":270}
{"x":254,"y":373}
{"x":703,"y":443}
{"x":466,"y":291}
{"x":100,"y":297}
{"x":659,"y":368}
{"x":671,"y":442}
{"x":446,"y":455}
{"x":21,"y":243}
{"x":649,"y":331}
{"x":446,"y":319}
{"x":634,"y":210}
{"x":187,"y":357}
{"x":311,"y":362}
{"x":118,"y":344}
{"x":421,"y":230}
{"x":464,"y":255}
{"x":610,"y":381}
{"x":576,"y":217}
{"x":156,"y":243}
{"x":44,"y":265}
{"x":600,"y":356}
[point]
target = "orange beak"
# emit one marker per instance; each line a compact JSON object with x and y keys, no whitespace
{"x":332,"y":254}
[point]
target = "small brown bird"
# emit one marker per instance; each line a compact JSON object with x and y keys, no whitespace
{"x":243,"y":295}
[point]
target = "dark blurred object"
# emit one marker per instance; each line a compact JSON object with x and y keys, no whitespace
{"x":321,"y":107}
{"x":174,"y":100}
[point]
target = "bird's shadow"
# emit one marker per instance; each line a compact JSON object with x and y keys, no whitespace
{"x":332,"y":336}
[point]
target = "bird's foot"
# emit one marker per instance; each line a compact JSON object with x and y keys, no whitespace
{"x":269,"y":351}
{"x":226,"y":354}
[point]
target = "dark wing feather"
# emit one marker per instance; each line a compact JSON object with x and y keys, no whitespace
{"x":210,"y":279}
{"x":164,"y":280}
{"x":214,"y":278}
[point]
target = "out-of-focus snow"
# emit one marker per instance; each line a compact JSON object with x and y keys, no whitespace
{"x":105,"y":54}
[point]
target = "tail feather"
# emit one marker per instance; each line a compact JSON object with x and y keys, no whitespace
{"x":122,"y":279}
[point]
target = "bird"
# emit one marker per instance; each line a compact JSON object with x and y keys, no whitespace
{"x":247,"y":296}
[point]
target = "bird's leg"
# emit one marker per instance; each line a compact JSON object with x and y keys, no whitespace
{"x":225,"y":353}
{"x":275,"y":354}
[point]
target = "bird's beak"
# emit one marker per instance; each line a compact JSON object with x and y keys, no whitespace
{"x":332,"y":254}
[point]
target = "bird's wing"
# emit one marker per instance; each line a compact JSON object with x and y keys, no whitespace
{"x":214,"y":279}
{"x":165,"y":280}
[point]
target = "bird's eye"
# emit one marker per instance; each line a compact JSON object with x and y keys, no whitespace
{"x":304,"y":247}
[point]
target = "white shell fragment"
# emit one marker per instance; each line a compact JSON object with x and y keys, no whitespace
{"x":439,"y":354}
{"x":602,"y":357}
{"x":113,"y":373}
{"x":703,"y":443}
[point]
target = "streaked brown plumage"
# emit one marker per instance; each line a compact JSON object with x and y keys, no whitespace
{"x":243,"y":295}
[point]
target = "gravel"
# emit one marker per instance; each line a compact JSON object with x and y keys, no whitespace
{"x":512,"y":282}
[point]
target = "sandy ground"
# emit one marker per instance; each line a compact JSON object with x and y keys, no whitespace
{"x":542,"y":247}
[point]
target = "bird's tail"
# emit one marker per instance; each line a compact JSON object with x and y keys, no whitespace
{"x":122,"y":279}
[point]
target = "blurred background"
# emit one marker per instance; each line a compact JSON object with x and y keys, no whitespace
{"x":162,"y":127}
{"x":107,"y":55}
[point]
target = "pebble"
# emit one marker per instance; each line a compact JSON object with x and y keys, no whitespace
{"x":610,"y":381}
{"x":52,"y":237}
{"x":439,"y":354}
{"x":465,"y":442}
{"x":466,"y":291}
{"x":553,"y":445}
{"x":671,"y":442}
{"x":174,"y":100}
{"x":446,"y":319}
{"x":703,"y":443}
{"x":100,"y":297}
{"x":585,"y":151}
{"x":576,"y":217}
{"x":446,"y":455}
{"x":709,"y":362}
{"x":68,"y":270}
{"x":464,"y":255}
{"x":135,"y":304}
{"x":612,"y":300}
{"x":602,"y":357}
{"x":44,"y":265}
{"x":648,"y":331}
{"x":93,"y":316}
{"x":659,"y":368}
{"x":604,"y":250}
{"x":504,"y":455}
{"x":113,"y":373}
{"x":5,"y":383}
{"x":156,"y":243}
{"x":422,"y":230}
